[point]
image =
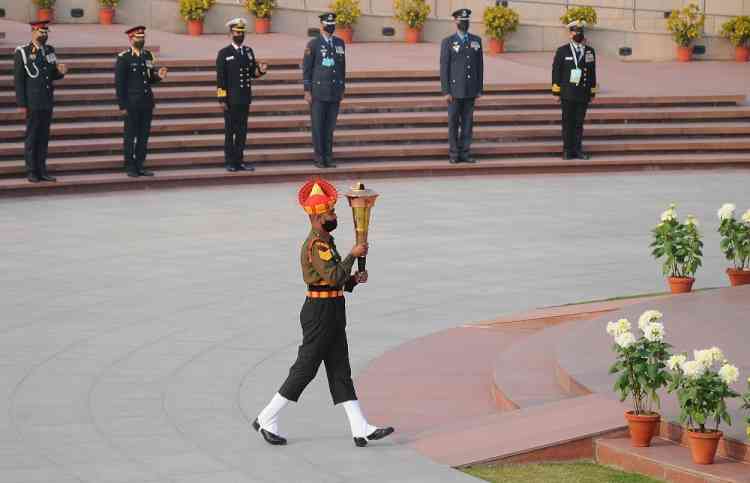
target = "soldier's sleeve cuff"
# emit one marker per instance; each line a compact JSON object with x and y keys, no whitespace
{"x":555,"y":89}
{"x":221,"y":93}
{"x":595,"y":89}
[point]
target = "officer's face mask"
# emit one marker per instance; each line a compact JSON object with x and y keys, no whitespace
{"x":138,"y":44}
{"x":41,"y":39}
{"x":238,"y":39}
{"x":463,"y":25}
{"x":330,"y":225}
{"x":578,"y":37}
{"x":329,"y":28}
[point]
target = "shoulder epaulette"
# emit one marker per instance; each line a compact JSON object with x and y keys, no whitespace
{"x":123,"y":53}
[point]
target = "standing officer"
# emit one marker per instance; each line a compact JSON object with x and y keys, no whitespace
{"x":134,"y":74}
{"x":324,"y":72}
{"x":35,"y":69}
{"x":461,"y":81}
{"x":235,"y":66}
{"x":574,"y":82}
{"x":323,"y":319}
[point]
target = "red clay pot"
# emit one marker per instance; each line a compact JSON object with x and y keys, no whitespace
{"x":413,"y":35}
{"x":703,"y":446}
{"x":346,"y":34}
{"x":497,"y":46}
{"x":262,"y":25}
{"x":642,"y":428}
{"x":106,"y":15}
{"x":684,"y":54}
{"x":45,"y":14}
{"x":681,"y":284}
{"x":195,"y":27}
{"x":738,"y":277}
{"x":742,"y":53}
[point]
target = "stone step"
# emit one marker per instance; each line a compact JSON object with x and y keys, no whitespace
{"x":668,"y":461}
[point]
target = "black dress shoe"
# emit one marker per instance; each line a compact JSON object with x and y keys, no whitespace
{"x":133,"y":174}
{"x":145,"y":172}
{"x":270,"y":438}
{"x":46,"y":177}
{"x":379,"y":433}
{"x":247,"y":167}
{"x":231,"y":169}
{"x":453,"y":161}
{"x":33,"y":178}
{"x":469,"y":160}
{"x":566,"y":156}
{"x":583,"y":155}
{"x":330,"y":163}
{"x":320,"y":164}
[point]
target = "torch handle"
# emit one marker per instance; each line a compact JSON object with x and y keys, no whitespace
{"x":361,"y":261}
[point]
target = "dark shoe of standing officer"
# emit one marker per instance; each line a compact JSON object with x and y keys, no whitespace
{"x":33,"y":178}
{"x":46,"y":177}
{"x":145,"y":172}
{"x":330,"y":163}
{"x":567,"y":156}
{"x":582,"y":155}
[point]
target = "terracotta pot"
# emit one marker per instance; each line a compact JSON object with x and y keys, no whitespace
{"x":642,"y":427}
{"x":742,"y":53}
{"x":346,"y":34}
{"x":262,"y":25}
{"x":681,"y":284}
{"x":703,"y":446}
{"x":738,"y":277}
{"x":684,"y":54}
{"x":497,"y":46}
{"x":45,"y":14}
{"x":195,"y":27}
{"x":106,"y":15}
{"x":413,"y":35}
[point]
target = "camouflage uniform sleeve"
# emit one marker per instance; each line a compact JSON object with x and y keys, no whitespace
{"x":324,"y":262}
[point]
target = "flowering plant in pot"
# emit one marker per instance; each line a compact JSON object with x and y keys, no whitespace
{"x":107,"y":11}
{"x":45,"y":9}
{"x":641,"y":369}
{"x":681,"y":248}
{"x":414,"y":14}
{"x":347,"y":13}
{"x":702,"y":392}
{"x":746,"y":407}
{"x":587,"y":14}
{"x":735,"y":243}
{"x":262,"y":11}
{"x":686,"y":25}
{"x":737,"y":30}
{"x":499,"y":21}
{"x":193,"y":12}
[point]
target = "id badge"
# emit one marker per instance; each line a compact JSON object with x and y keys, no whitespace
{"x":575,"y":76}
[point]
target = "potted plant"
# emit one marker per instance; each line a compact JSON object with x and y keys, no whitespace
{"x":45,"y":10}
{"x":262,"y":11}
{"x":414,"y":14}
{"x":107,"y":11}
{"x":587,"y":14}
{"x":701,"y":392}
{"x":746,"y":407}
{"x":193,"y":12}
{"x":735,"y":243}
{"x":499,"y":21}
{"x":347,"y":13}
{"x":737,"y":30}
{"x":641,"y":371}
{"x":681,"y":247}
{"x":686,"y":25}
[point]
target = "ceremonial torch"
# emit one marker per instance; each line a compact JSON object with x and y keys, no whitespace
{"x":361,"y":200}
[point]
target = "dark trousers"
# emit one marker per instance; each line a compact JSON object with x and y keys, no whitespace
{"x":323,"y":118}
{"x":573,"y":115}
{"x":137,"y":132}
{"x":460,"y":125}
{"x":235,"y":134}
{"x":37,"y":140}
{"x":323,"y":340}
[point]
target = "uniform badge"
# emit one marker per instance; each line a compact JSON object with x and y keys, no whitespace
{"x":324,"y":251}
{"x":589,"y":57}
{"x":339,"y":50}
{"x":51,"y":58}
{"x":456,"y":47}
{"x":231,"y":57}
{"x":327,"y":62}
{"x":475,"y":45}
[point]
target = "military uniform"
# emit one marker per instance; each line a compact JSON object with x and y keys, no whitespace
{"x":135,"y":73}
{"x":461,"y":76}
{"x":574,"y":81}
{"x":34,"y":73}
{"x":324,"y":73}
{"x":235,"y":67}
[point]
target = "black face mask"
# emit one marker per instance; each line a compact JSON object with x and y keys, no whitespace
{"x":41,"y":40}
{"x":138,"y":44}
{"x":330,"y":225}
{"x":238,"y":39}
{"x":463,"y":25}
{"x":578,"y":37}
{"x":329,"y":28}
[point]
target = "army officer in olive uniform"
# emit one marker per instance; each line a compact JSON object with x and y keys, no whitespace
{"x":35,"y":70}
{"x":235,"y":66}
{"x":323,"y":73}
{"x":135,"y":72}
{"x":574,"y":82}
{"x":461,"y":82}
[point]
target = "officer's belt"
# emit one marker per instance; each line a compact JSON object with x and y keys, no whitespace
{"x":324,"y":292}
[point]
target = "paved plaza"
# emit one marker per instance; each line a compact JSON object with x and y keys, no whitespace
{"x":141,"y":332}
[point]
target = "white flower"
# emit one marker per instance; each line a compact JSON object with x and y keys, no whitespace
{"x":704,"y":357}
{"x":717,"y":354}
{"x":617,"y":328}
{"x":654,"y":332}
{"x":693,"y":369}
{"x":625,"y":340}
{"x":648,"y":317}
{"x":676,"y":361}
{"x":746,"y":217}
{"x":729,"y":374}
{"x":669,"y":214}
{"x":726,"y":211}
{"x":691,"y":220}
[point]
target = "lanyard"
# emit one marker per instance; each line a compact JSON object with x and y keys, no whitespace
{"x":575,"y":56}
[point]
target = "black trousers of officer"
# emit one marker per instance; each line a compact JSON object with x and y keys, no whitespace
{"x":460,"y":126}
{"x":235,"y":133}
{"x":137,"y":132}
{"x":573,"y":115}
{"x":37,"y":140}
{"x":323,"y":117}
{"x":323,"y":340}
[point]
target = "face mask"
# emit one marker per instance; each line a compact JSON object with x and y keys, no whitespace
{"x":330,"y":225}
{"x":238,"y":39}
{"x":463,"y":25}
{"x":329,"y":28}
{"x":41,"y":40}
{"x":138,"y":44}
{"x":578,"y":37}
